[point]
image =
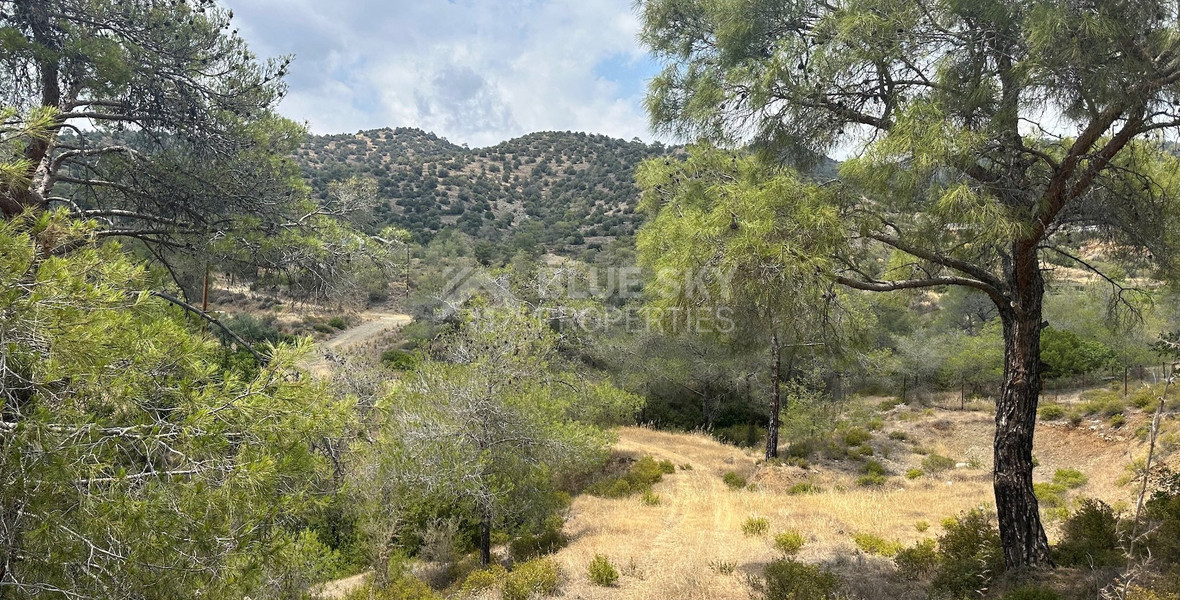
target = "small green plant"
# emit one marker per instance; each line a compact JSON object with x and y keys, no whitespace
{"x":1070,"y":478}
{"x":685,"y":467}
{"x":666,"y":467}
{"x":734,"y":481}
{"x":803,"y":488}
{"x":1031,"y":593}
{"x":874,"y":544}
{"x":484,"y":579}
{"x":755,"y":526}
{"x":539,"y":577}
{"x":1052,"y":412}
{"x":914,"y":473}
{"x":898,"y":435}
{"x":338,"y":322}
{"x":650,"y":498}
{"x":921,"y":526}
{"x":602,"y":572}
{"x":789,"y":542}
{"x":1050,"y":495}
{"x":917,"y":561}
{"x":1090,"y":538}
{"x":642,"y":474}
{"x":873,"y":474}
{"x":790,"y":580}
{"x":969,"y":555}
{"x":856,"y":437}
{"x":1118,"y":421}
{"x":723,"y":567}
{"x":937,"y":463}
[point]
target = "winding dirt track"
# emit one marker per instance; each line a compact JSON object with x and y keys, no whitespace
{"x":372,"y":325}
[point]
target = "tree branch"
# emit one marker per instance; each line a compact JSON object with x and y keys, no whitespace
{"x":262,"y":360}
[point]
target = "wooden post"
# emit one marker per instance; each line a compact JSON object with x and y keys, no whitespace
{"x":205,"y":292}
{"x":1125,"y":368}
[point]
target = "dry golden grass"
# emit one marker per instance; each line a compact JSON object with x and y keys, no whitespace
{"x":692,"y":545}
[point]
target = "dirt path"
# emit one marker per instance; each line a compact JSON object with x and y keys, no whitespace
{"x":372,"y":326}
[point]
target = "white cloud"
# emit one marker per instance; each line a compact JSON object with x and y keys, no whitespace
{"x":474,"y":71}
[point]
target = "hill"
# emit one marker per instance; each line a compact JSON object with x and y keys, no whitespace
{"x":556,"y":191}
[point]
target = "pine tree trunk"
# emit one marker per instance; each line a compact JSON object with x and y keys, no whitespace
{"x":485,"y":540}
{"x":1022,"y":536}
{"x":775,"y":402}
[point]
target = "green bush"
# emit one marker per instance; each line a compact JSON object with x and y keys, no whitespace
{"x":969,"y":555}
{"x":871,"y":480}
{"x":1052,"y":412}
{"x":874,"y":544}
{"x":483,"y":579}
{"x":338,"y":322}
{"x":400,"y":360}
{"x":642,"y":474}
{"x":755,"y":526}
{"x":551,"y":539}
{"x":1031,"y":593}
{"x":1050,"y":495}
{"x":1117,"y":421}
{"x":917,"y":561}
{"x":898,"y":435}
{"x":538,"y":577}
{"x":1102,"y":402}
{"x":1070,"y":478}
{"x":873,"y":474}
{"x":602,"y":572}
{"x":790,"y":580}
{"x":856,"y":437}
{"x":913,"y":473}
{"x":937,"y":463}
{"x":1089,"y":537}
{"x":802,"y":488}
{"x":650,"y":498}
{"x":1163,"y":514}
{"x":921,"y":526}
{"x":789,"y":542}
{"x":734,"y":481}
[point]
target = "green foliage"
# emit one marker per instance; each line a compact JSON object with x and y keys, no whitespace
{"x":936,"y":463}
{"x":856,"y":437}
{"x":734,"y":481}
{"x":550,"y":539}
{"x":874,"y":544}
{"x":1066,"y":353}
{"x":1070,"y":478}
{"x":122,"y":430}
{"x":400,"y":360}
{"x":639,"y":478}
{"x":914,"y":473}
{"x":1050,"y":495}
{"x":873,"y":474}
{"x":1090,"y":537}
{"x":803,"y":488}
{"x":789,"y":542}
{"x":969,"y":555}
{"x":755,"y":526}
{"x":484,"y":579}
{"x":602,"y":572}
{"x":650,"y":498}
{"x":1031,"y":593}
{"x":1052,"y":412}
{"x":538,"y":577}
{"x":790,"y":580}
{"x":918,"y":561}
{"x":1106,"y":403}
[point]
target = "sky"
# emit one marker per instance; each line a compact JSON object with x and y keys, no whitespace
{"x":473,"y":71}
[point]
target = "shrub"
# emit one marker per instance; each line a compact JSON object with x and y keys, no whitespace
{"x":913,"y":473}
{"x":1052,"y":412}
{"x":856,"y":437}
{"x":602,"y":572}
{"x":1117,"y":421}
{"x":789,"y":542}
{"x":1102,"y":402}
{"x":642,"y":474}
{"x":898,"y":435}
{"x":872,"y":474}
{"x":1090,"y":537}
{"x":755,"y":526}
{"x":1050,"y":495}
{"x":969,"y":555}
{"x":536,"y":577}
{"x":937,"y":463}
{"x":874,"y":544}
{"x":917,"y":561}
{"x":790,"y":580}
{"x":1031,"y":593}
{"x":803,"y":487}
{"x":921,"y":526}
{"x":551,"y":539}
{"x":1070,"y":478}
{"x":399,"y":360}
{"x":734,"y":481}
{"x":338,"y":322}
{"x":484,"y":579}
{"x":871,"y":480}
{"x":651,"y":498}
